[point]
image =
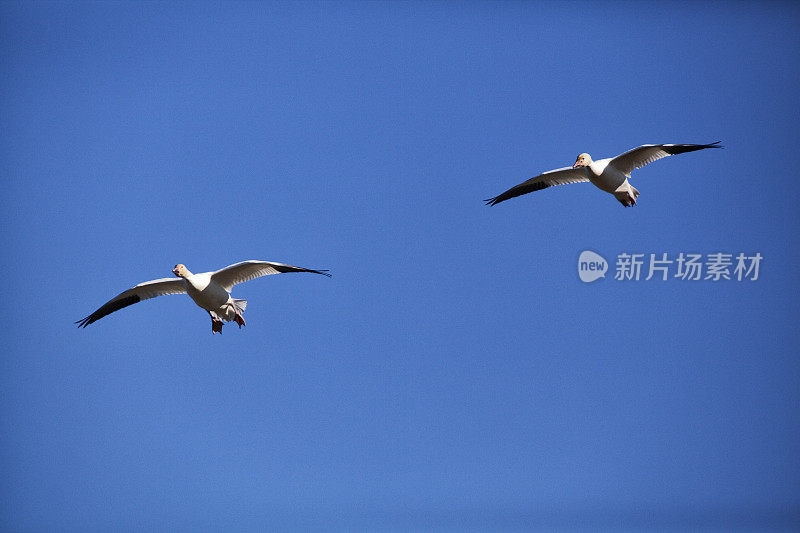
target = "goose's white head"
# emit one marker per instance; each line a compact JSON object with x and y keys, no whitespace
{"x":181,"y":271}
{"x":583,"y":160}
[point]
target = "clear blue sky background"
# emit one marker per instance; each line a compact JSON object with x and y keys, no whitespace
{"x":454,"y":373}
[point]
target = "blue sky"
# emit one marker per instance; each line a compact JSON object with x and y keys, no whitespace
{"x":454,"y":374}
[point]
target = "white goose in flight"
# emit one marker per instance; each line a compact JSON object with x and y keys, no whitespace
{"x":610,"y":175}
{"x":209,"y":290}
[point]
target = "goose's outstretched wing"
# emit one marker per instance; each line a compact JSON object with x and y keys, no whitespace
{"x":143,"y":291}
{"x":647,"y":153}
{"x":246,"y":270}
{"x":559,"y":176}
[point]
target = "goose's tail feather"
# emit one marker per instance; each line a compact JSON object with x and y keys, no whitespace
{"x":240,"y":305}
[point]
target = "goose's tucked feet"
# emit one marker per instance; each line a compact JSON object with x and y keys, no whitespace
{"x":216,"y":326}
{"x":239,"y":319}
{"x":627,"y":201}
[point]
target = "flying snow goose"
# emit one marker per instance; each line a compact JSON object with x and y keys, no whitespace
{"x":209,"y":290}
{"x":610,"y":175}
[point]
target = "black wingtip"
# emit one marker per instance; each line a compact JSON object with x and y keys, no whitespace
{"x":675,"y":149}
{"x":491,"y":201}
{"x":108,"y":308}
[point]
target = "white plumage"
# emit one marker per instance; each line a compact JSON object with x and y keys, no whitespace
{"x":610,"y":175}
{"x":209,"y":290}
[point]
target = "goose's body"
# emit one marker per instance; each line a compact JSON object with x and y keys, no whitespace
{"x":607,"y":177}
{"x":212,"y":297}
{"x":209,"y":290}
{"x":610,"y":175}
